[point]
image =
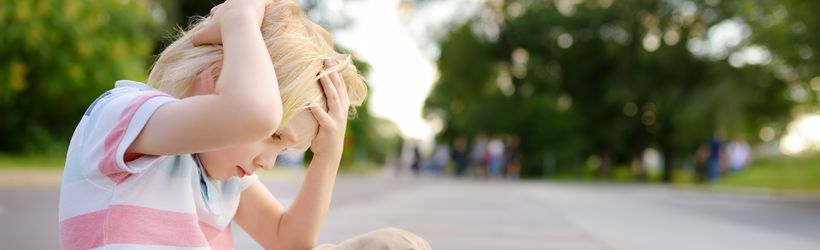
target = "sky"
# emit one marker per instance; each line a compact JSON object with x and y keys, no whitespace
{"x":399,"y":43}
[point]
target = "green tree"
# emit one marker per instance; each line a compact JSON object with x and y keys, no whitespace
{"x":57,"y":56}
{"x":607,"y":79}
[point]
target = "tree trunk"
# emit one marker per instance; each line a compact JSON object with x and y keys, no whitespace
{"x":605,"y":169}
{"x":668,"y":167}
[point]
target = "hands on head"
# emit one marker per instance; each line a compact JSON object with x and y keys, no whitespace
{"x":226,"y":12}
{"x":332,"y":120}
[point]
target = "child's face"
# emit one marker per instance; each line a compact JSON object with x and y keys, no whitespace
{"x":243,"y":160}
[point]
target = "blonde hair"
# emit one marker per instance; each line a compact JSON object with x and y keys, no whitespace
{"x":297,"y":47}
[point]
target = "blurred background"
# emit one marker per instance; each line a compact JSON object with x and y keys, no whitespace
{"x":491,"y":124}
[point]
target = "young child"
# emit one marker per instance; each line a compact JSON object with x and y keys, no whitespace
{"x":171,"y":168}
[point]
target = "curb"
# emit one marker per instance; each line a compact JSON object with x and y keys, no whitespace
{"x":753,"y":193}
{"x":28,"y":178}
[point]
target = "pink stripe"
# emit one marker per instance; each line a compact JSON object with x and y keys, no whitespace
{"x":82,"y":232}
{"x":140,"y":225}
{"x":218,"y":239}
{"x":108,"y":166}
{"x":132,"y":225}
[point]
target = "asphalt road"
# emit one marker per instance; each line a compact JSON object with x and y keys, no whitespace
{"x":475,"y":214}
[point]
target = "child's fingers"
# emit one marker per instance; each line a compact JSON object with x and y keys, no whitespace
{"x":341,"y":89}
{"x":321,"y":116}
{"x":331,"y":97}
{"x":213,"y":10}
{"x":339,"y":84}
{"x":209,"y":34}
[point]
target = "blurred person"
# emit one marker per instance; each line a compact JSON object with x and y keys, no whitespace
{"x":512,"y":157}
{"x":459,"y":154}
{"x":714,"y":156}
{"x":738,"y":153}
{"x":417,"y":160}
{"x":440,"y":159}
{"x":405,"y":159}
{"x":477,"y":155}
{"x":495,"y":157}
{"x":173,"y":167}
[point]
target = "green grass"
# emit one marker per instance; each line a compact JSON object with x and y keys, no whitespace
{"x":782,"y":173}
{"x":785,"y":173}
{"x":44,"y":161}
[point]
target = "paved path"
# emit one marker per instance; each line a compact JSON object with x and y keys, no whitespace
{"x":471,"y":214}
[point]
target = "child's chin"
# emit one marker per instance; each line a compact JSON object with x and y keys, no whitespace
{"x":223,"y":177}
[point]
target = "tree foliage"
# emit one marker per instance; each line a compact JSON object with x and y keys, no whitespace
{"x":57,"y":56}
{"x":607,"y":79}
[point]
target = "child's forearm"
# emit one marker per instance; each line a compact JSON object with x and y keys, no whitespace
{"x":303,"y":220}
{"x":248,"y":82}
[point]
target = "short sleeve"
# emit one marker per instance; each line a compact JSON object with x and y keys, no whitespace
{"x":113,"y":123}
{"x":247,"y":181}
{"x":132,"y":121}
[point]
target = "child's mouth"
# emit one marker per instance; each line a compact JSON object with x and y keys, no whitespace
{"x":240,"y":172}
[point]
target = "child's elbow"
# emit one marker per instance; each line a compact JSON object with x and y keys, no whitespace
{"x":266,"y":125}
{"x":263,"y":122}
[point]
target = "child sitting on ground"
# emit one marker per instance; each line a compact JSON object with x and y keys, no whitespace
{"x":171,"y":166}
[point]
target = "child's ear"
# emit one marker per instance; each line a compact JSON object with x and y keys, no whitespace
{"x":209,"y":77}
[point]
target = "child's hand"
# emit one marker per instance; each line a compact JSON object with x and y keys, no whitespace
{"x":329,"y":142}
{"x":226,"y":12}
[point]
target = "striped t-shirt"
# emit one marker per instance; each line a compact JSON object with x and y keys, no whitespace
{"x":152,"y":202}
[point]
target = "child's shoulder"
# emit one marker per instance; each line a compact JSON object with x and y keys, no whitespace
{"x":133,"y":88}
{"x":126,"y":93}
{"x":128,"y":84}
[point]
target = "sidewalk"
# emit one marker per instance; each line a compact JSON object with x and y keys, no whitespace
{"x":482,"y":215}
{"x":30,"y":178}
{"x":39,"y":178}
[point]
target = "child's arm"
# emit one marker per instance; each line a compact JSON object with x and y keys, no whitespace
{"x":246,"y":105}
{"x":298,"y":227}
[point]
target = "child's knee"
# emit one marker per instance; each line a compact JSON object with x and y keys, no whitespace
{"x":386,"y":238}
